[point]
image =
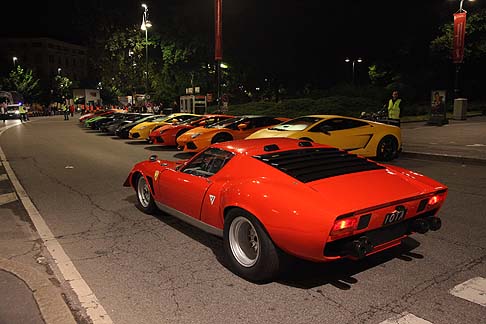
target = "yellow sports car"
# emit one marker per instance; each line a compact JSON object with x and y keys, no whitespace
{"x":235,"y":128}
{"x":142,"y":131}
{"x":363,"y":137}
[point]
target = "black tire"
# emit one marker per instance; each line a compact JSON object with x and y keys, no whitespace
{"x":145,"y":200}
{"x":221,"y":137}
{"x":387,"y":149}
{"x":250,"y":252}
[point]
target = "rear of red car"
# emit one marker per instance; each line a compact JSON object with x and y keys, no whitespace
{"x":368,"y":207}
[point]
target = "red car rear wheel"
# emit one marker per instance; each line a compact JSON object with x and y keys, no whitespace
{"x":250,"y":251}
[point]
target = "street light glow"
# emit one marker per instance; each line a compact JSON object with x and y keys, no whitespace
{"x":148,"y":24}
{"x":144,"y":6}
{"x":14,"y":60}
{"x":354,"y":61}
{"x":223,"y":65}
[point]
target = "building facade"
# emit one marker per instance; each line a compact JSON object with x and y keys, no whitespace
{"x":46,"y":57}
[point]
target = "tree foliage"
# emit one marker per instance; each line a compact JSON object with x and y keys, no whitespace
{"x":24,"y":82}
{"x":475,"y":39}
{"x":62,"y":88}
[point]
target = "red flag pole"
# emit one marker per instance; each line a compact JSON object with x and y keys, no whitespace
{"x":218,"y":44}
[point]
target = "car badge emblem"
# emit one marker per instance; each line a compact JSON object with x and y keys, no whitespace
{"x":212,"y":198}
{"x":156,"y":175}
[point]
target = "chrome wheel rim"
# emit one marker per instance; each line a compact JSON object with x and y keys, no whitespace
{"x":143,"y":192}
{"x":244,"y":242}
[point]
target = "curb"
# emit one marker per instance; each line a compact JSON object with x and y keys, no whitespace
{"x":444,"y":157}
{"x":49,"y":300}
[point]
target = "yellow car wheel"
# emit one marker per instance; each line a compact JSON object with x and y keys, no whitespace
{"x":387,"y":148}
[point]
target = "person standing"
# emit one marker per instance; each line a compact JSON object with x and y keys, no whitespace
{"x":3,"y":110}
{"x":394,"y":108}
{"x":22,"y":113}
{"x":65,"y":111}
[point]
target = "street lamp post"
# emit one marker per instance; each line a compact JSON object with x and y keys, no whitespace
{"x":59,"y":71}
{"x":359,"y":60}
{"x":14,"y":59}
{"x":146,"y":24}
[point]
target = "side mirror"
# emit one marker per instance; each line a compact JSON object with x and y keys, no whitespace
{"x":242,"y":126}
{"x":174,"y":121}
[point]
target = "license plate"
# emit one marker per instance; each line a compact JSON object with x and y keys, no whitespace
{"x":396,"y":216}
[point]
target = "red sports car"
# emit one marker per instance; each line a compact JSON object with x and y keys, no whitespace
{"x":276,"y":196}
{"x":167,"y":135}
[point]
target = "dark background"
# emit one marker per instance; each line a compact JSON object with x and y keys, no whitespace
{"x":300,"y":40}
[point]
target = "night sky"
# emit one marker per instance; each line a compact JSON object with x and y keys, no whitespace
{"x":288,"y":39}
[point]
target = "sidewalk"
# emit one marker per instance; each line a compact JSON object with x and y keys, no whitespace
{"x":461,"y":141}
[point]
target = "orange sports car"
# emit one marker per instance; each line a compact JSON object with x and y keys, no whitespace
{"x":167,"y":135}
{"x":276,"y":196}
{"x":235,"y":128}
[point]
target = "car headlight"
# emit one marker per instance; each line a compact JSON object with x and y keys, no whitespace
{"x":17,"y":112}
{"x":195,"y":135}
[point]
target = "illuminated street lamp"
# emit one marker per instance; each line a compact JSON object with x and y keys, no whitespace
{"x":59,"y":71}
{"x":14,"y":59}
{"x":146,"y":24}
{"x":359,"y":60}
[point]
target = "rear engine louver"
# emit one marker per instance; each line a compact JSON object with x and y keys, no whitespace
{"x":312,"y":164}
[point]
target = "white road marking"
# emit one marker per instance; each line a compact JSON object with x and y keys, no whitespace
{"x":3,"y":177}
{"x":85,"y":295}
{"x":405,"y":318}
{"x":7,"y":198}
{"x":473,"y":290}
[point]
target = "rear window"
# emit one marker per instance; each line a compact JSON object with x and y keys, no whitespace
{"x":313,"y":164}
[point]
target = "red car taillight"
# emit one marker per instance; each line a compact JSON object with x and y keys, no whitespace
{"x":345,"y":226}
{"x":436,"y":199}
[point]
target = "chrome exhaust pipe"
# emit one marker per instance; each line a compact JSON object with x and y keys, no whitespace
{"x":360,"y":247}
{"x":420,"y":226}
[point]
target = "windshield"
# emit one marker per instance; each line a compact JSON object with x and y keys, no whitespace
{"x":192,"y":119}
{"x":297,"y":124}
{"x":225,"y":123}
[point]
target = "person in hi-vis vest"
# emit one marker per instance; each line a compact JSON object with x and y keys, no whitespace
{"x":394,"y":106}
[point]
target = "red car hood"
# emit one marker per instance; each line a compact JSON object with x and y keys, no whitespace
{"x":362,"y":190}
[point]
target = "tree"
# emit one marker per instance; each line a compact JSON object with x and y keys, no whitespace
{"x":62,"y":88}
{"x":23,"y":81}
{"x":475,"y":40}
{"x":473,"y":71}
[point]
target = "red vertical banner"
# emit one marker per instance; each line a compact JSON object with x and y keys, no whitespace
{"x":459,"y":34}
{"x":218,"y":30}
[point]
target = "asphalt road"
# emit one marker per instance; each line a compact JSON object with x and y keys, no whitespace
{"x":147,"y":269}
